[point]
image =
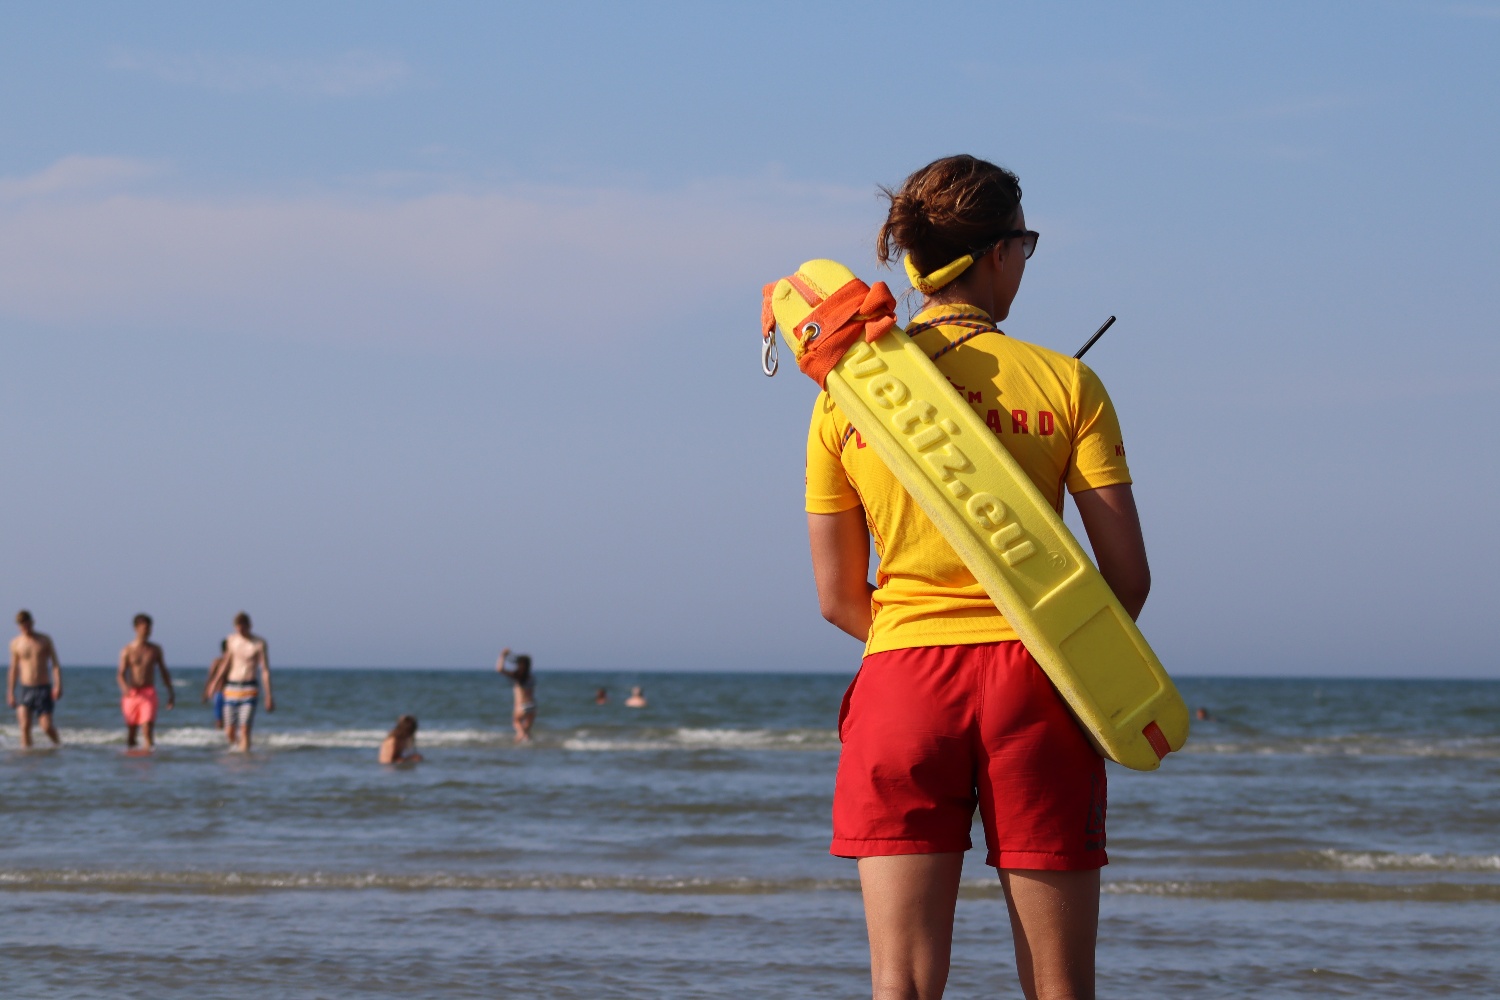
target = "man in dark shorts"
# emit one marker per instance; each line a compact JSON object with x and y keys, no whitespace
{"x":34,"y":683}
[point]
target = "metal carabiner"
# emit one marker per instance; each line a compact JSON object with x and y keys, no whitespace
{"x":769,"y":362}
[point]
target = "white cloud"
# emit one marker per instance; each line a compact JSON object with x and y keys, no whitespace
{"x":447,"y":265}
{"x":72,"y":174}
{"x":348,"y":74}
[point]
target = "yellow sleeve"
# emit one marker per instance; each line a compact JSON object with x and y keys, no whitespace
{"x":828,"y":489}
{"x":1098,"y":446}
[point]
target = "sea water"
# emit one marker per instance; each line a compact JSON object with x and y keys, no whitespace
{"x":1318,"y":838}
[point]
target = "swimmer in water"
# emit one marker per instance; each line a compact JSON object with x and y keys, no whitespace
{"x":523,"y":686}
{"x":1202,"y":715}
{"x":400,"y":744}
{"x":601,"y":696}
{"x":33,"y":685}
{"x":637,"y":698}
{"x":139,"y":662}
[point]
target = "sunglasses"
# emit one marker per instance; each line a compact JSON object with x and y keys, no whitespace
{"x":1028,"y":242}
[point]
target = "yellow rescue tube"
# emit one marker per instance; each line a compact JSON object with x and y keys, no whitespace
{"x":997,"y":521}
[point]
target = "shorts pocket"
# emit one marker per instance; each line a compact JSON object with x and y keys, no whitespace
{"x":844,"y":705}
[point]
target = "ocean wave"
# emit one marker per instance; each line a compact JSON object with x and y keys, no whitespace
{"x":283,"y":739}
{"x":589,"y":739}
{"x":1365,"y":861}
{"x":270,"y":739}
{"x":1310,"y":890}
{"x":1333,"y":859}
{"x":1350,"y":745}
{"x":703,"y":739}
{"x":251,"y":882}
{"x":238,"y":882}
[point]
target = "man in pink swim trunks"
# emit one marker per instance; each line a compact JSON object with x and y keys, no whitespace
{"x":137,"y":678}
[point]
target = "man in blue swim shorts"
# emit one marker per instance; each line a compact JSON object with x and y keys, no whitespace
{"x":33,"y":684}
{"x":213,"y":688}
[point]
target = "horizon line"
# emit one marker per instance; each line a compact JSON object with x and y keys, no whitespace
{"x":800,"y":673}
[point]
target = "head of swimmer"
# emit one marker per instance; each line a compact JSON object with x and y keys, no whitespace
{"x":952,"y":207}
{"x":523,"y":667}
{"x":242,"y":623}
{"x":405,"y":727}
{"x":142,"y":627}
{"x":23,"y":620}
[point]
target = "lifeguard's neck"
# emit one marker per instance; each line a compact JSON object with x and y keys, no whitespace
{"x":975,"y":287}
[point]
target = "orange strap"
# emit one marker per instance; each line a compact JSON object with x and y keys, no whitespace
{"x":1157,"y":739}
{"x":767,"y":316}
{"x":855,"y":310}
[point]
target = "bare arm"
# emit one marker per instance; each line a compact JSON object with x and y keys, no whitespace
{"x":500,"y":663}
{"x":120,"y":673}
{"x":393,"y":751}
{"x":56,"y":671}
{"x":215,"y":677}
{"x":265,"y":675}
{"x":1114,"y":530}
{"x":166,"y":678}
{"x":10,"y":677}
{"x":840,"y":546}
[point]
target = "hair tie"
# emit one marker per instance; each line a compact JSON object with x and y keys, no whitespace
{"x":929,"y":283}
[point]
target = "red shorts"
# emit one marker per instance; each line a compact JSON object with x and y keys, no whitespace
{"x":138,"y":705}
{"x":931,"y":732}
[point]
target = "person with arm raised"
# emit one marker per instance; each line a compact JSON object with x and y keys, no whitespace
{"x":523,"y":691}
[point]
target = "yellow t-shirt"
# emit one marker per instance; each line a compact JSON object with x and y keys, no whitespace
{"x":1051,"y":413}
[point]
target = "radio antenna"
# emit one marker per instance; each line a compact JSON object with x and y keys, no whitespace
{"x":1097,"y":334}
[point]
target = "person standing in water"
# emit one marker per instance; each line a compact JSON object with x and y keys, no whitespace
{"x":523,"y":688}
{"x":400,"y":744}
{"x":248,"y":671}
{"x":137,"y":679}
{"x":213,"y":687}
{"x":637,"y":698}
{"x":33,"y":685}
{"x":948,"y":711}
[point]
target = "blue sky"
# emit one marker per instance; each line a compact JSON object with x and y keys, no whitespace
{"x":420,"y":330}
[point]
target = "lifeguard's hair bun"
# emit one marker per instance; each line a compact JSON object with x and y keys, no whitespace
{"x":948,"y":208}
